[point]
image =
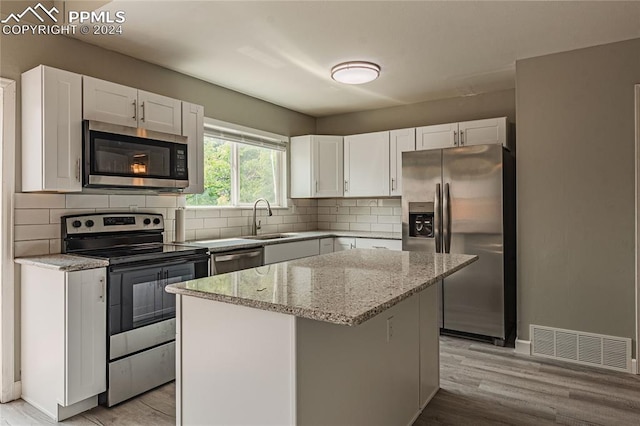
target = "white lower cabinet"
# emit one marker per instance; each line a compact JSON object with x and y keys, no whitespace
{"x":64,"y":328}
{"x":289,"y":251}
{"x":344,"y":243}
{"x":378,"y":243}
{"x":326,"y":245}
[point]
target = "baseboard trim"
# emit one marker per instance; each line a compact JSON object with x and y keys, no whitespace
{"x":523,"y":347}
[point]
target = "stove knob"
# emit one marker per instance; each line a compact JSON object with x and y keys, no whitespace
{"x":89,"y":223}
{"x":156,"y":221}
{"x":76,"y":224}
{"x":147,"y":221}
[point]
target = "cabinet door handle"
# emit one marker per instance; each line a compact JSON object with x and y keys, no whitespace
{"x":142,"y":116}
{"x":455,"y":138}
{"x":78,"y":165}
{"x":461,"y":137}
{"x":135,"y":110}
{"x":316,"y":186}
{"x":102,"y":290}
{"x":393,"y":181}
{"x":346,"y":186}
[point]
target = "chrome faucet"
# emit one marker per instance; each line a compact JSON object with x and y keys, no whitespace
{"x":256,"y":225}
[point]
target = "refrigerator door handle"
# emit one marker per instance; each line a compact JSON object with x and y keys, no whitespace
{"x":446,"y":218}
{"x":436,"y":219}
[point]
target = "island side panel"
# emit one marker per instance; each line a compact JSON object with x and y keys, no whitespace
{"x":357,"y":375}
{"x":237,"y":365}
{"x":429,"y":345}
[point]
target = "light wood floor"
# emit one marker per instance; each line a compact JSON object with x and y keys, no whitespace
{"x":480,"y":385}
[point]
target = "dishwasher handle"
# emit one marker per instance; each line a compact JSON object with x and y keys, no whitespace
{"x":230,"y":257}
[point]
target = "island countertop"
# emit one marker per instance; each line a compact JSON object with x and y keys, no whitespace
{"x":347,"y":287}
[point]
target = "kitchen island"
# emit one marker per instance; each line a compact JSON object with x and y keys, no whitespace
{"x":343,"y":338}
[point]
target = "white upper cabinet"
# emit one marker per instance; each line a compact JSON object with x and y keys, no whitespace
{"x":481,"y":132}
{"x":436,"y":137}
{"x":51,"y":130}
{"x":366,"y":165}
{"x":160,"y":113}
{"x":193,"y":129}
{"x":402,"y":140}
{"x":316,"y":166}
{"x":109,"y":102}
{"x":477,"y":132}
{"x":117,"y":104}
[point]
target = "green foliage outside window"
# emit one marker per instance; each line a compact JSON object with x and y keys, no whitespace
{"x":217,"y":175}
{"x":258,"y":174}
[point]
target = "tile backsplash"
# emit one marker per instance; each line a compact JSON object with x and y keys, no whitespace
{"x":360,"y":214}
{"x":37,"y":217}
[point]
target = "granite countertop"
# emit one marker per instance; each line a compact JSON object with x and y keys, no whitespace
{"x":347,"y":287}
{"x":226,"y":244}
{"x":63,"y":262}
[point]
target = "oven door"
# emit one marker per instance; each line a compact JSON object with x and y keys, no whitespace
{"x":117,"y":157}
{"x":137,"y":296}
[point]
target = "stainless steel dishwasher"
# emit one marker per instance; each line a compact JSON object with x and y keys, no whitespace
{"x":236,"y":260}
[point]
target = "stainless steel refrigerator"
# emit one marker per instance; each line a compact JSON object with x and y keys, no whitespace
{"x":462,"y":200}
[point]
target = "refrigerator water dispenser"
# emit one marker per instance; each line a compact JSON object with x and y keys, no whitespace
{"x":421,"y":220}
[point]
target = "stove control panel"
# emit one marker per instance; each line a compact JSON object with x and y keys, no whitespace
{"x":94,"y":223}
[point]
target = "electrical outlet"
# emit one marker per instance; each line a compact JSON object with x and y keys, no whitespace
{"x":389,"y":328}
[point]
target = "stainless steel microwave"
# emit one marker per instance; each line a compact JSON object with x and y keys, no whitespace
{"x":126,"y":157}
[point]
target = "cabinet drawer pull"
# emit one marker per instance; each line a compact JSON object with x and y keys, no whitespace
{"x":380,"y":247}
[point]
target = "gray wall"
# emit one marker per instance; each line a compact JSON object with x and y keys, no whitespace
{"x":575,"y":172}
{"x":21,"y":53}
{"x":486,"y":105}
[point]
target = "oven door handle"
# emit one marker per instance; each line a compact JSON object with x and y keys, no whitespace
{"x":196,"y":258}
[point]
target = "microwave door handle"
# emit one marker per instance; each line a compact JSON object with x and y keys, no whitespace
{"x":437,"y":219}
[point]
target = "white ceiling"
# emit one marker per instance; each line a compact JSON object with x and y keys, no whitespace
{"x":282,"y":52}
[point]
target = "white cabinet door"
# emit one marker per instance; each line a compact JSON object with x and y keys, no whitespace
{"x":109,"y":102}
{"x":344,"y":243}
{"x":327,"y":166}
{"x":438,"y":136}
{"x":301,"y":174}
{"x":117,"y":104}
{"x":63,"y":329}
{"x":159,"y":113}
{"x":402,"y":140}
{"x":379,"y":243}
{"x":51,"y":130}
{"x":366,"y":165}
{"x":288,"y":251}
{"x":193,"y":129}
{"x":326,"y":245}
{"x":85,"y":363}
{"x":481,"y":132}
{"x":316,"y":166}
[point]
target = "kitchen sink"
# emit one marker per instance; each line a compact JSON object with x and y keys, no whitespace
{"x":269,"y":236}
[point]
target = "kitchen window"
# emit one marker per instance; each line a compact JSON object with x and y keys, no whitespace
{"x":240,"y":166}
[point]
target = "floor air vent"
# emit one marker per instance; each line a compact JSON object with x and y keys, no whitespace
{"x":596,"y":350}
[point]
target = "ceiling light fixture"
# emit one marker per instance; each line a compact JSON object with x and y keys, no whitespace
{"x":355,"y":72}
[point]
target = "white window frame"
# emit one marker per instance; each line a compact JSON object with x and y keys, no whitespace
{"x":241,"y":134}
